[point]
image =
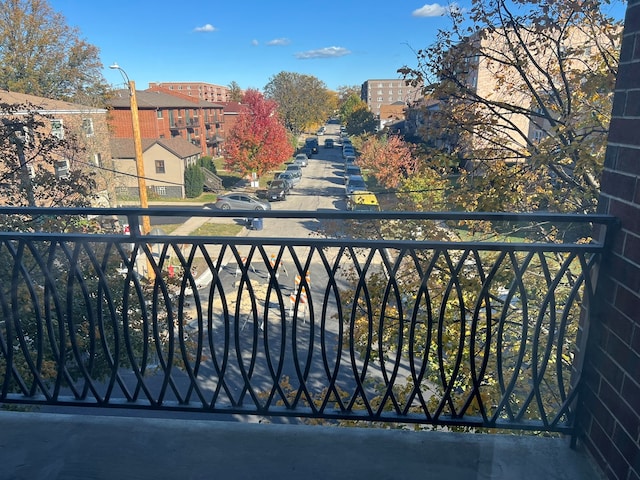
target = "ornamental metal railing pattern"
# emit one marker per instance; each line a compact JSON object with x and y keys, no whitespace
{"x":383,"y":317}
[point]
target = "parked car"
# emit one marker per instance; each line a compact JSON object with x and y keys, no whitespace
{"x":328,"y":143}
{"x":348,"y":152}
{"x":321,"y":131}
{"x":277,"y":190}
{"x":312,"y":143}
{"x":355,"y":183}
{"x":351,"y":170}
{"x":302,"y":160}
{"x":349,"y":160}
{"x":363,"y":201}
{"x":295,"y":169}
{"x":241,"y":201}
{"x":289,"y":177}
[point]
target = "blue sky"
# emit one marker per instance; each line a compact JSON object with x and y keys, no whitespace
{"x":339,"y":42}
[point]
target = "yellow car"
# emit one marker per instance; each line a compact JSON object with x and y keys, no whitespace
{"x":363,"y":201}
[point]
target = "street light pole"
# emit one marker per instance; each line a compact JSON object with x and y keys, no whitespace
{"x":137,"y":142}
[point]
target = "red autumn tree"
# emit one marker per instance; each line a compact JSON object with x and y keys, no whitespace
{"x":258,"y":141}
{"x":389,"y":158}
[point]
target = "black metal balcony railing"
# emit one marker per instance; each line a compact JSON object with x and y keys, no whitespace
{"x":333,"y":327}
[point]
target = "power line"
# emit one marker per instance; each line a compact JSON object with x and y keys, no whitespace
{"x":118,"y":172}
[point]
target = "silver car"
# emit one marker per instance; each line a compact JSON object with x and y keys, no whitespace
{"x":302,"y":160}
{"x":289,"y":177}
{"x":241,"y":201}
{"x":355,"y":183}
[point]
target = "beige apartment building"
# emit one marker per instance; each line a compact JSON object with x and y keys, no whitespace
{"x":485,"y":76}
{"x":164,"y":162}
{"x":489,"y":77}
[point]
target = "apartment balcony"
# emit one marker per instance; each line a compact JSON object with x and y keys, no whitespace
{"x":178,"y":124}
{"x":366,"y":350}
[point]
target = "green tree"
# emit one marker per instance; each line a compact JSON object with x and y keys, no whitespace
{"x":193,"y":181}
{"x":348,"y":105}
{"x":41,"y":55}
{"x":303,"y":100}
{"x":258,"y":141}
{"x":347,"y":91}
{"x":235,"y":92}
{"x":524,"y":97}
{"x":361,"y":121}
{"x":207,"y":162}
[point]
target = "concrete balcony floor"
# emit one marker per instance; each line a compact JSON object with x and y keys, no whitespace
{"x":66,"y":446}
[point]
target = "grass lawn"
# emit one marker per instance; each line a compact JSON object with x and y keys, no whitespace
{"x":212,"y":229}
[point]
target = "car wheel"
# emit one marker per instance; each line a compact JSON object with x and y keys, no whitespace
{"x":259,"y":208}
{"x":225,"y":206}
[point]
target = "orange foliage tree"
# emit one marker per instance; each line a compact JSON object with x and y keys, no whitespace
{"x":390,"y":159}
{"x":258,"y":141}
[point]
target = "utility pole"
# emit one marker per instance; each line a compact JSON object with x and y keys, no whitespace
{"x":137,"y":143}
{"x":20,"y":138}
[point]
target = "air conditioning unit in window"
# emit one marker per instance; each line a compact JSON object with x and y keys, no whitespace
{"x":57,"y":129}
{"x":62,"y":169}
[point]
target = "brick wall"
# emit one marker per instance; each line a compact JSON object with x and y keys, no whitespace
{"x":610,"y":419}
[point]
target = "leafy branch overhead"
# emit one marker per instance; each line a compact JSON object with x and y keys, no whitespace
{"x":521,"y":94}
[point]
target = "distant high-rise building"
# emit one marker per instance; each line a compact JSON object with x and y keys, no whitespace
{"x":378,"y":92}
{"x":203,"y":91}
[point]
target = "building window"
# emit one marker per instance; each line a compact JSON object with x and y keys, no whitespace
{"x":538,"y":135}
{"x":97,"y":159}
{"x":62,"y":169}
{"x":162,"y":191}
{"x":159,"y":113}
{"x":57,"y":129}
{"x":87,"y":126}
{"x":159,"y":166}
{"x":379,"y":99}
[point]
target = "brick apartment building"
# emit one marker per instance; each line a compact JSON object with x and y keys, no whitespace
{"x":378,"y":92}
{"x":88,"y":129}
{"x":169,"y":114}
{"x":204,"y":91}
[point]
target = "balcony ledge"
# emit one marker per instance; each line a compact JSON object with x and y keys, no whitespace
{"x":52,"y":445}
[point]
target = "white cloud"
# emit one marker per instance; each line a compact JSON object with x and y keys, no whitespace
{"x":433,"y":10}
{"x":205,"y":28}
{"x":255,"y":42}
{"x":328,"y":52}
{"x":278,"y":42}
